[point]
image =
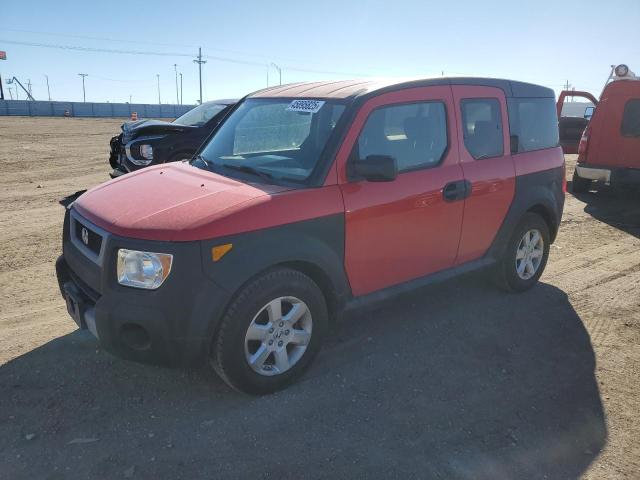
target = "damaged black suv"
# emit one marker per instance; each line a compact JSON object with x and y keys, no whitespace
{"x":150,"y":142}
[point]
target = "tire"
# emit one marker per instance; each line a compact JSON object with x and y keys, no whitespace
{"x":251,"y":329}
{"x":579,"y":184}
{"x":508,"y":275}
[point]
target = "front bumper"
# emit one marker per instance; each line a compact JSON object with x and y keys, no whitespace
{"x":613,"y":176}
{"x":172,"y":325}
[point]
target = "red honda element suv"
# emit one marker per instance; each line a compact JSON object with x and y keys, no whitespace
{"x":307,"y":200}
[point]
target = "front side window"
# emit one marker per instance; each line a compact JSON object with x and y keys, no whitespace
{"x":482,"y":127}
{"x":631,"y":118}
{"x":414,"y":134}
{"x":273,"y":138}
{"x":534,"y":122}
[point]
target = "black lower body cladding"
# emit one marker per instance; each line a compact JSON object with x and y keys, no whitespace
{"x":171,"y":325}
{"x":174,"y":325}
{"x":540,"y":192}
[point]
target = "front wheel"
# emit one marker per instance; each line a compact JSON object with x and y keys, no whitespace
{"x":271,"y":332}
{"x":526,"y":254}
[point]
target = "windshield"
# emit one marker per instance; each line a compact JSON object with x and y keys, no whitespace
{"x":200,"y":115}
{"x":273,"y":138}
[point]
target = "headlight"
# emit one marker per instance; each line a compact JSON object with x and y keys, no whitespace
{"x":143,"y":269}
{"x":139,"y":154}
{"x":146,"y":151}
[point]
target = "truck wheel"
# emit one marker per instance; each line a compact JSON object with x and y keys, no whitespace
{"x":271,"y":332}
{"x":579,"y":184}
{"x":526,"y":254}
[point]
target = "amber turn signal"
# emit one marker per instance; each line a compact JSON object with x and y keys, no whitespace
{"x":220,"y":251}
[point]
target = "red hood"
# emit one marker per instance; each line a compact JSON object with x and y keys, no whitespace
{"x":169,"y":202}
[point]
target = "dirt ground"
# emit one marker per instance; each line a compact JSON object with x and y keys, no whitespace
{"x":454,"y":381}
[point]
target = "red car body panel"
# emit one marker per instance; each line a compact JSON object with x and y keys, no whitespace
{"x":200,"y":205}
{"x":492,"y":181}
{"x":607,"y":146}
{"x":401,"y":230}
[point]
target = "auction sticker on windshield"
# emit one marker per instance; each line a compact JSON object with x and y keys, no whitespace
{"x":309,"y":106}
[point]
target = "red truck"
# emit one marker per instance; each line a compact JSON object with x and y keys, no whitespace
{"x":308,"y":200}
{"x":607,"y":140}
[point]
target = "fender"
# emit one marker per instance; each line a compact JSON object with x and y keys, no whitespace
{"x":540,"y":192}
{"x":318,"y":242}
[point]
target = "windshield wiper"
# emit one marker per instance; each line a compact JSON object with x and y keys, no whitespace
{"x":199,"y":158}
{"x":247,"y":169}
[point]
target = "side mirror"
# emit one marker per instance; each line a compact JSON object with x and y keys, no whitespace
{"x":376,"y":168}
{"x":588,"y":112}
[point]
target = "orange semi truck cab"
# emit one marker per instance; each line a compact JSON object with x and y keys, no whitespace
{"x":609,"y":147}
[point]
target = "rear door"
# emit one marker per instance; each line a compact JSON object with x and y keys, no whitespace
{"x":410,"y":227}
{"x":486,"y":162}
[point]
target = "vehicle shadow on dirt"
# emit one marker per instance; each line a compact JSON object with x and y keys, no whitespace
{"x":455,"y":381}
{"x":617,"y":207}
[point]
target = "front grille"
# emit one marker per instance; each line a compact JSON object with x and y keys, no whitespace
{"x":89,"y":238}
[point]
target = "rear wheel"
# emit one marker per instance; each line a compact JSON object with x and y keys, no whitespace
{"x":271,"y":332}
{"x":526,"y":254}
{"x":579,"y":184}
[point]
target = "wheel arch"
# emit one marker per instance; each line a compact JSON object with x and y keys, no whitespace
{"x":549,"y":218}
{"x":533,"y":195}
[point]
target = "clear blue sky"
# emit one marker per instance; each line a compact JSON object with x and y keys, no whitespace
{"x":546,"y":42}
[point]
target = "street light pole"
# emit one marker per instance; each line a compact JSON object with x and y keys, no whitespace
{"x":279,"y":72}
{"x":175,"y":69}
{"x":180,"y":88}
{"x":158,"y":77}
{"x":84,"y":95}
{"x":48,"y":91}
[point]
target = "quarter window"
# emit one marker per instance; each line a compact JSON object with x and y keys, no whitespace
{"x":414,"y":134}
{"x":482,"y":127}
{"x":534,"y":122}
{"x":631,"y":118}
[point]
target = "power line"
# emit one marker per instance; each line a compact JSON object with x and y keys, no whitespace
{"x":95,"y":49}
{"x":138,"y":42}
{"x":174,"y":54}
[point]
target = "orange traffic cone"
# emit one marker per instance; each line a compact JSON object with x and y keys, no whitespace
{"x":134,"y":115}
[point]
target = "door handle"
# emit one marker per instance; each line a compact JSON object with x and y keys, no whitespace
{"x":458,"y":190}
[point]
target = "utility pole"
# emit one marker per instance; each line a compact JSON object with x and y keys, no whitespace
{"x":48,"y":91}
{"x":199,"y":61}
{"x":158,"y":77}
{"x":279,"y":72}
{"x":129,"y":99}
{"x":180,"y":88}
{"x":175,"y":69}
{"x":84,"y":94}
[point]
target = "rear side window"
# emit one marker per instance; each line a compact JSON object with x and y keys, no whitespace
{"x":631,"y":118}
{"x":482,"y":127}
{"x":414,"y":134}
{"x":534,"y":122}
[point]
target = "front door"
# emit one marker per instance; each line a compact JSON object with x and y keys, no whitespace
{"x":407,"y":228}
